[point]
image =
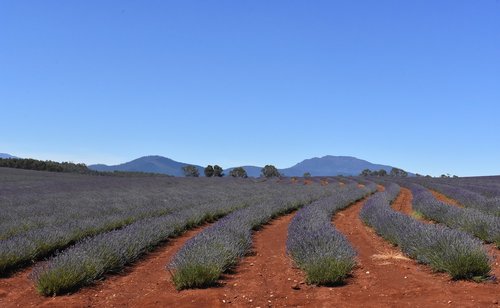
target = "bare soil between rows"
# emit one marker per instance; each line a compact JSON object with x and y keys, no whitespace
{"x":444,"y":198}
{"x":268,"y":278}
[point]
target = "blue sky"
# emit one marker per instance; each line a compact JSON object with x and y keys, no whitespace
{"x":415,"y":84}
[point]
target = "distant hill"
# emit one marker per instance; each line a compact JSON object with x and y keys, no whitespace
{"x":152,"y":164}
{"x":5,"y":155}
{"x":323,"y":166}
{"x":317,"y":166}
{"x":332,"y":165}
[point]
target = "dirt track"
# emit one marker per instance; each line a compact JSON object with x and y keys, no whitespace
{"x":383,"y":278}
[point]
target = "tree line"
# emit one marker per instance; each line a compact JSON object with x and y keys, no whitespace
{"x":44,"y":165}
{"x":268,"y":171}
{"x":68,"y":167}
{"x":382,"y":172}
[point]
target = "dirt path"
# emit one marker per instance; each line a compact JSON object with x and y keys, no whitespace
{"x":444,"y":198}
{"x":403,"y":202}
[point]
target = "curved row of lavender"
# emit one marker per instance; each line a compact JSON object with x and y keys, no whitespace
{"x":91,"y":258}
{"x":488,"y":186}
{"x":466,"y":197}
{"x":447,"y":250}
{"x":319,"y":249}
{"x":477,"y":223}
{"x":35,"y":243}
{"x":203,"y":259}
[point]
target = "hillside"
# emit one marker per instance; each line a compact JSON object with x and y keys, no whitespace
{"x":5,"y":155}
{"x":151,"y":164}
{"x":318,"y":166}
{"x":332,"y":165}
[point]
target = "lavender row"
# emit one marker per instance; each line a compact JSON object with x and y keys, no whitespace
{"x":489,"y":186}
{"x":36,"y":243}
{"x":203,"y":259}
{"x":489,"y":191}
{"x":36,"y":207}
{"x":467,"y":198}
{"x":91,"y":258}
{"x":481,"y":225}
{"x":448,"y":250}
{"x":319,"y":249}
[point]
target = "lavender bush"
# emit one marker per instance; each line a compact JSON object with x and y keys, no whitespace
{"x":488,"y":186}
{"x":467,"y":198}
{"x":444,"y":249}
{"x":483,"y":226}
{"x":315,"y":245}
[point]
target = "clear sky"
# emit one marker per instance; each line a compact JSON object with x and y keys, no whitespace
{"x":414,"y":84}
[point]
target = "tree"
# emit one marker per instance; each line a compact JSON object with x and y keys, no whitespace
{"x":238,"y":172}
{"x":270,"y":171}
{"x":366,"y":172}
{"x":209,"y":171}
{"x":218,"y":171}
{"x":382,"y":172}
{"x":307,"y":174}
{"x":191,"y":171}
{"x":398,"y":172}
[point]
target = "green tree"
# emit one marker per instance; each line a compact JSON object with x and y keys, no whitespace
{"x":218,"y":171}
{"x":398,"y":172}
{"x":366,"y":172}
{"x":238,"y":172}
{"x":209,"y":171}
{"x":270,"y":171}
{"x":191,"y":171}
{"x":382,"y":172}
{"x":307,"y":174}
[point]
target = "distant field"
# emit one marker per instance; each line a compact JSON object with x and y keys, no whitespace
{"x":130,"y":241}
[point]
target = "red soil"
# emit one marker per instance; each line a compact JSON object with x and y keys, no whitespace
{"x":444,"y":199}
{"x":403,"y":202}
{"x":268,"y":278}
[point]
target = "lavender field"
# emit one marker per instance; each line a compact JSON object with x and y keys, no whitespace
{"x":71,"y":230}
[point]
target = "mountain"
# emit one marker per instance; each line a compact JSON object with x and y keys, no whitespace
{"x":317,"y":166}
{"x":332,"y":165}
{"x":5,"y":155}
{"x":154,"y":164}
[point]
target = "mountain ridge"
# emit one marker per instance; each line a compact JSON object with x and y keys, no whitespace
{"x":6,"y":155}
{"x":327,"y":165}
{"x":150,"y":163}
